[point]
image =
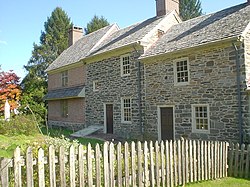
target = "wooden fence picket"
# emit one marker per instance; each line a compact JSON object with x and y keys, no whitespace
{"x":106,"y":164}
{"x":17,"y":167}
{"x":4,"y":171}
{"x":98,"y":165}
{"x":89,"y":163}
{"x":81,"y":164}
{"x":169,"y":163}
{"x":29,"y":167}
{"x":247,"y":172}
{"x":119,"y":165}
{"x":41,"y":176}
{"x":139,"y":160}
{"x":62,"y":166}
{"x":146,"y":172}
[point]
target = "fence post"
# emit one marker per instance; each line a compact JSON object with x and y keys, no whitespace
{"x":52,"y":167}
{"x":40,"y":161}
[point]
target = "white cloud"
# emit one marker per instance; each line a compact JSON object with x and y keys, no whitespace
{"x":3,"y":42}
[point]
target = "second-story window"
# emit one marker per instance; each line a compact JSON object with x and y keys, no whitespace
{"x":125,"y":65}
{"x":65,"y":78}
{"x":181,"y":71}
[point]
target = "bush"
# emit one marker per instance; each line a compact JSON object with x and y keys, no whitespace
{"x":20,"y":124}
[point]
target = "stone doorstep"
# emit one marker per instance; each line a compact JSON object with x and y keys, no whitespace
{"x":87,"y":131}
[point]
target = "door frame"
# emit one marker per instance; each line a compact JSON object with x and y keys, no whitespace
{"x":159,"y":119}
{"x":105,"y":117}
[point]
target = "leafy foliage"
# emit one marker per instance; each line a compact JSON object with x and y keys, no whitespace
{"x":53,"y":41}
{"x":96,"y":23}
{"x":9,"y":89}
{"x":190,"y":9}
{"x":19,"y":125}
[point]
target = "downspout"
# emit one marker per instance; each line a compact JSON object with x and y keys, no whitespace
{"x":238,"y":92}
{"x":139,"y":91}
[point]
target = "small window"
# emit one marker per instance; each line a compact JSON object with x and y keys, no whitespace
{"x":200,"y":118}
{"x":96,"y":85}
{"x":126,"y":110}
{"x":65,"y":78}
{"x":125,"y":65}
{"x":181,"y":71}
{"x":64,"y":108}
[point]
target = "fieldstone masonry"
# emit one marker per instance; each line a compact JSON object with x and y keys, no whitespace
{"x":212,"y":81}
{"x":112,"y":88}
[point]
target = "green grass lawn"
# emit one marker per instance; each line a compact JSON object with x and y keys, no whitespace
{"x":225,"y":182}
{"x":9,"y":143}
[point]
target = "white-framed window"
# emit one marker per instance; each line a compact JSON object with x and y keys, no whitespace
{"x":65,"y":78}
{"x":125,"y":65}
{"x":64,"y":108}
{"x":96,"y":85}
{"x":181,"y":71}
{"x":200,"y":118}
{"x":126,"y":110}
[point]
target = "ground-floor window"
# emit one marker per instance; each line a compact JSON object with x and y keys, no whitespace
{"x":126,"y":110}
{"x":64,"y":108}
{"x":200,"y":118}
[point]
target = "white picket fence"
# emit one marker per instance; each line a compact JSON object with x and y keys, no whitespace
{"x":168,"y":163}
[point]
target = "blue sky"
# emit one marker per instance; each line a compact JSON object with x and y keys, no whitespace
{"x":21,"y":22}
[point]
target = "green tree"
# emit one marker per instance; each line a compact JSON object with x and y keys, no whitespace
{"x":190,"y":9}
{"x":53,"y":41}
{"x":96,"y":23}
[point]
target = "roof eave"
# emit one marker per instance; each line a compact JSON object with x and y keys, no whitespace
{"x":234,"y":38}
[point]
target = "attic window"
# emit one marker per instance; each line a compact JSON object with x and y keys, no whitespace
{"x":160,"y":33}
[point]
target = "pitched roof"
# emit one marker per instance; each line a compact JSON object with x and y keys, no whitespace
{"x":94,"y":43}
{"x":128,"y":35}
{"x":217,"y":26}
{"x":80,"y":49}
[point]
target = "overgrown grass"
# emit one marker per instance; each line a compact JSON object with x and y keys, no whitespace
{"x":23,"y":131}
{"x":225,"y":182}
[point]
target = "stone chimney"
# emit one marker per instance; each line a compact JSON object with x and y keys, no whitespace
{"x":75,"y":33}
{"x":165,"y":6}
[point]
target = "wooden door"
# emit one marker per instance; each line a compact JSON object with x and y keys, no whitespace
{"x":109,"y":118}
{"x":167,"y":126}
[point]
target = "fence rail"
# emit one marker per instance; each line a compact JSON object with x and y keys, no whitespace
{"x":168,"y":163}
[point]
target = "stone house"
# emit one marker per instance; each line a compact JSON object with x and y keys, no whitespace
{"x":158,"y":79}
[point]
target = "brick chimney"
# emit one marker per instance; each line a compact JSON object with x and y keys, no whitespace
{"x":165,"y":6}
{"x":75,"y":33}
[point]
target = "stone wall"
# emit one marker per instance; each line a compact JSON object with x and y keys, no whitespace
{"x":112,"y":88}
{"x":247,"y":62}
{"x":212,"y":81}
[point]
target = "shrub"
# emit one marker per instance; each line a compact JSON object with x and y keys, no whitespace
{"x":20,"y":124}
